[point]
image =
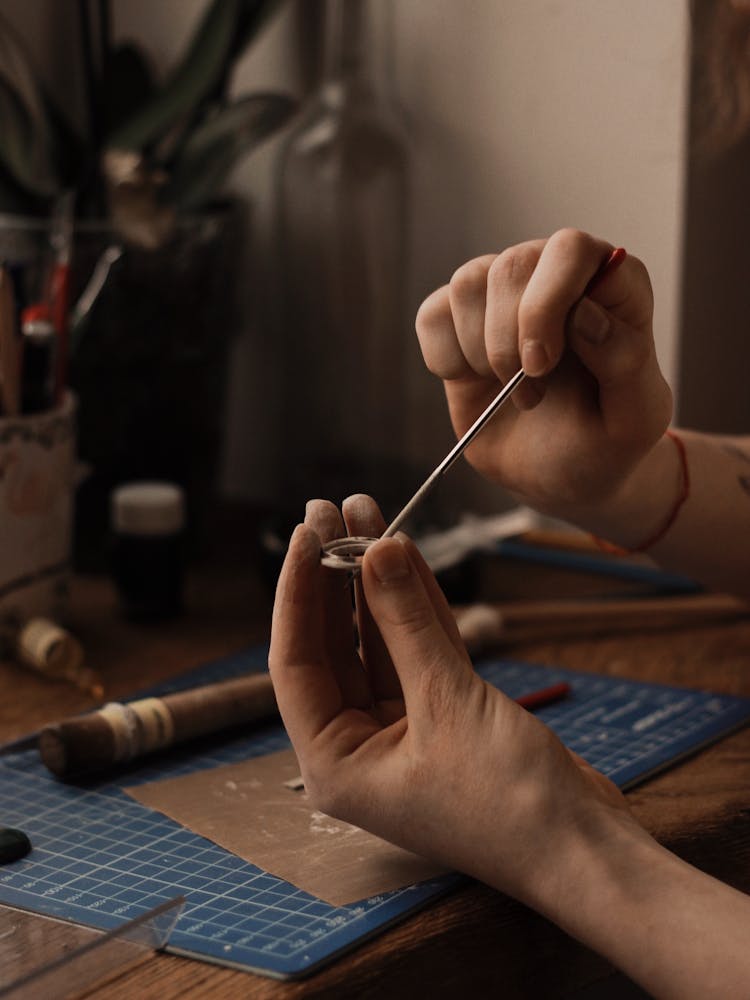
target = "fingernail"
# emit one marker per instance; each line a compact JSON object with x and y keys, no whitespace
{"x":534,"y":357}
{"x":312,"y":507}
{"x":358,"y":505}
{"x":591,"y":322}
{"x":389,"y":561}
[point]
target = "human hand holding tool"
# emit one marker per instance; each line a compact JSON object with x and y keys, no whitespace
{"x":594,"y":401}
{"x":346,"y":553}
{"x":404,"y":739}
{"x":403,"y":727}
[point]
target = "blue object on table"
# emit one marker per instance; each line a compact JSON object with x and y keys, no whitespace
{"x":656,"y":579}
{"x":100,"y":857}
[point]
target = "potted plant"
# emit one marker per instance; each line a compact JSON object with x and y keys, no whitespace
{"x":130,"y":208}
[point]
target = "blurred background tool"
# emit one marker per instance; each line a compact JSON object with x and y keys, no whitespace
{"x":485,"y":625}
{"x":54,"y":652}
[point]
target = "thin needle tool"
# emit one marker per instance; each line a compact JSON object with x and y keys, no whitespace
{"x":456,"y":451}
{"x":612,"y":262}
{"x":346,"y":553}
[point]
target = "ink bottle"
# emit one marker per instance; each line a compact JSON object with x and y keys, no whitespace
{"x":147,"y":552}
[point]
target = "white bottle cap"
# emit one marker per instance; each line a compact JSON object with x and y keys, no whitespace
{"x":148,"y":508}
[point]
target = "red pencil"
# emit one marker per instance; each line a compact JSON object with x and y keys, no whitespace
{"x":545,"y":696}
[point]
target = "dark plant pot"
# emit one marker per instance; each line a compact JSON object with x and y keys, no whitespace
{"x":150,"y":372}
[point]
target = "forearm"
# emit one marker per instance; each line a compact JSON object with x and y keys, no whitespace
{"x":670,"y":927}
{"x":709,"y":539}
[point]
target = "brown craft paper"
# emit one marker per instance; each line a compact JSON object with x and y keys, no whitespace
{"x":248,"y":809}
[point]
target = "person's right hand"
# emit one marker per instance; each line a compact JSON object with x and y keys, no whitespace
{"x":596,"y":402}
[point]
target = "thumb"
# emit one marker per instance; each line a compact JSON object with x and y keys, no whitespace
{"x":409,"y":619}
{"x":622,"y":358}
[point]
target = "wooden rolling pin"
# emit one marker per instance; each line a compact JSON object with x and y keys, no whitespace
{"x":483,"y":625}
{"x":116,"y":733}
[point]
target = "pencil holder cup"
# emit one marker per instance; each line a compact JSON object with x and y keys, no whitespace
{"x":37,"y":473}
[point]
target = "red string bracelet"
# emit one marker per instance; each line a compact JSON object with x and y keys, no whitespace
{"x":682,"y":496}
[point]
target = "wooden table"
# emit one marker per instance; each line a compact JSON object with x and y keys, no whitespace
{"x":474,"y":942}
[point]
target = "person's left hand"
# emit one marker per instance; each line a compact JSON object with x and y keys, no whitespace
{"x":406,"y":740}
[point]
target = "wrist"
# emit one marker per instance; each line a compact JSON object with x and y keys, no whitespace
{"x":597,"y":870}
{"x":642,"y":509}
{"x":665,"y":525}
{"x":591,"y":867}
{"x":673,"y":929}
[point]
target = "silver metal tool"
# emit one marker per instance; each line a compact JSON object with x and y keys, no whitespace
{"x":456,"y":451}
{"x":346,"y":553}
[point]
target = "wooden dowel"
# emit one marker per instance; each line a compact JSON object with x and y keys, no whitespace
{"x":92,"y":743}
{"x":483,"y":625}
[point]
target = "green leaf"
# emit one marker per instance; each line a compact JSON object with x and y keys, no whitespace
{"x":20,"y":152}
{"x":127,"y":83}
{"x":253,"y":16}
{"x":194,"y":78}
{"x":27,"y":148}
{"x":214,"y":148}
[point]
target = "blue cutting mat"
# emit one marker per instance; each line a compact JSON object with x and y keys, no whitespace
{"x":100,"y":857}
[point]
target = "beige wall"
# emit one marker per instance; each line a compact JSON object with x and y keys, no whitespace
{"x":530,"y":116}
{"x":527,"y":115}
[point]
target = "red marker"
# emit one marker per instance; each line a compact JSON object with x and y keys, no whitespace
{"x":545,"y":696}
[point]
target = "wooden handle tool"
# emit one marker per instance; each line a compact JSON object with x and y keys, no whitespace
{"x":483,"y":625}
{"x":116,"y":733}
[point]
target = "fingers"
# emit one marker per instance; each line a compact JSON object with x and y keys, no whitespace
{"x":537,"y":297}
{"x":438,"y":339}
{"x":452,"y":328}
{"x":611,"y":332}
{"x":325,"y":520}
{"x":507,"y":280}
{"x":442,"y":609}
{"x":414,"y":628}
{"x":467,"y":298}
{"x":362,"y":516}
{"x":501,"y":312}
{"x":566,"y":265}
{"x":307,"y":690}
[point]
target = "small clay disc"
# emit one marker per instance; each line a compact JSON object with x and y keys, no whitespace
{"x":345,"y":553}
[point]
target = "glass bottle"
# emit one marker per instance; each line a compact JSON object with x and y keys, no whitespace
{"x":343,"y":187}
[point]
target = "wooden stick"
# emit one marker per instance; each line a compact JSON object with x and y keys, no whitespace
{"x":484,"y":625}
{"x":91,"y":743}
